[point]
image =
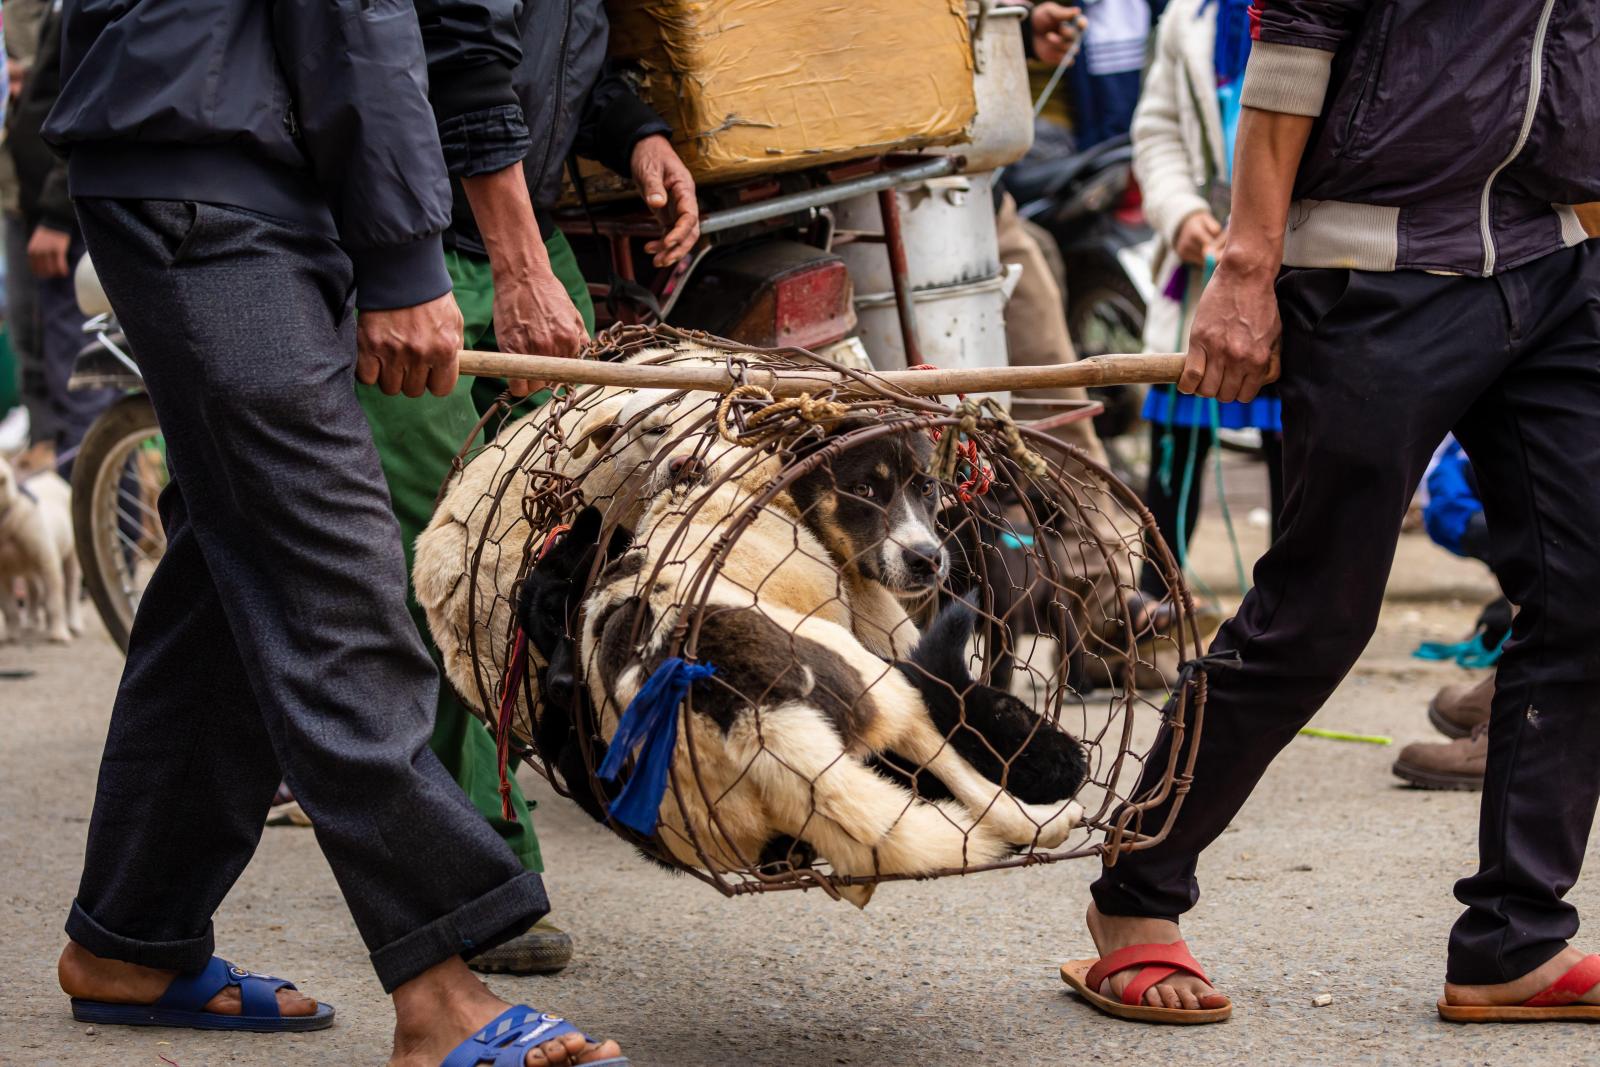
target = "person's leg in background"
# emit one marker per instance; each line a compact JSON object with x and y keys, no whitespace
{"x":1037,"y":336}
{"x":417,"y":441}
{"x":1353,"y":455}
{"x":1036,"y":329}
{"x":61,"y":338}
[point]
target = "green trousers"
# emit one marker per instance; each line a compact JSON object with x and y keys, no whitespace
{"x":417,"y":439}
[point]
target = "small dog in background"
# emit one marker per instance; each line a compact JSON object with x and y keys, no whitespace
{"x":38,"y":560}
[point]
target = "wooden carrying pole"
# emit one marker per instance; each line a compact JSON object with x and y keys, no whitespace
{"x":1119,"y":369}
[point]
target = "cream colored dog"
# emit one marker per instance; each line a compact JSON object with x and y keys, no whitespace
{"x":607,"y":445}
{"x":781,"y":736}
{"x":37,"y":551}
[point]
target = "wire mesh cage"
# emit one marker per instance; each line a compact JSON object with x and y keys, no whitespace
{"x":825,"y":640}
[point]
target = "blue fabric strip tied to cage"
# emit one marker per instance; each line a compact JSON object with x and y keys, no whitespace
{"x":650,"y":724}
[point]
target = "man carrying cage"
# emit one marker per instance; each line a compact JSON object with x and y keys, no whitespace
{"x":247,"y":176}
{"x":1400,"y":247}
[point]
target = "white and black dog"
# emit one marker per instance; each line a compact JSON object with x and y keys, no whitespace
{"x":786,"y":735}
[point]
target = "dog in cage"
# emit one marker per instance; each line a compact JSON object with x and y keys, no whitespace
{"x":784,"y":737}
{"x":595,"y":445}
{"x":832,"y":728}
{"x":618,"y":449}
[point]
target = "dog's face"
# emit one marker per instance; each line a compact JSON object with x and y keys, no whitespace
{"x":873,"y":506}
{"x":652,"y":440}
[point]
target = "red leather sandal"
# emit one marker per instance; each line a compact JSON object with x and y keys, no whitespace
{"x":1554,"y":1005}
{"x":1160,"y":962}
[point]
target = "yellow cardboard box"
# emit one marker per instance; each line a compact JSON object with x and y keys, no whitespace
{"x":757,"y":86}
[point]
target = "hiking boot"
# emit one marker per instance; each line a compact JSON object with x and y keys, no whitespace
{"x":545,"y":949}
{"x":1458,"y":709}
{"x":1457,"y":764}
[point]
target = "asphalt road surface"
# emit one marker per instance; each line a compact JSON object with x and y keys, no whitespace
{"x":1334,"y":880}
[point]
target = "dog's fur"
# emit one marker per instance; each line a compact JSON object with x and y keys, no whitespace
{"x":605,"y":448}
{"x":1023,"y":589}
{"x":37,"y":552}
{"x":618,"y":448}
{"x":781,"y":734}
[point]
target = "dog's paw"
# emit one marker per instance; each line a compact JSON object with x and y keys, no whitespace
{"x":1055,"y":824}
{"x":62,"y":636}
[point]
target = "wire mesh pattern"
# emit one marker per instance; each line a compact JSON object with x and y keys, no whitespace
{"x":912,"y":628}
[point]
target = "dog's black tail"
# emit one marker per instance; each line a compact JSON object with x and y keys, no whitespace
{"x":1003,"y":738}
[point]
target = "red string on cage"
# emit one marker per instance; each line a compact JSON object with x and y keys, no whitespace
{"x":981,"y":477}
{"x":516,"y":672}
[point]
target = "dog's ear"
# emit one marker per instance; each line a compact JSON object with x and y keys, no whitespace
{"x":599,"y":435}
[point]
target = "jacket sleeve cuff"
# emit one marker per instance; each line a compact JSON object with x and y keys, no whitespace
{"x":625,"y":122}
{"x":400,"y":276}
{"x":1287,"y":78}
{"x":484,"y":142}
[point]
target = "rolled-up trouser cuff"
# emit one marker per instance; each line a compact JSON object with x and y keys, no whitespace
{"x":187,"y":957}
{"x":493,"y":919}
{"x":1463,"y":967}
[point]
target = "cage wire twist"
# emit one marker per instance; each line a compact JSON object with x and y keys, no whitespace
{"x":801,"y":548}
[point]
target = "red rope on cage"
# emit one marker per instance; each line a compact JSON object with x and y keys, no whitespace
{"x":516,"y":672}
{"x":980,"y":478}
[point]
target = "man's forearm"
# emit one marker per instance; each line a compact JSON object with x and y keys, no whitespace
{"x":503,"y":212}
{"x":1268,"y":156}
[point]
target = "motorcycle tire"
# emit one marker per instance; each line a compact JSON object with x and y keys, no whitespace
{"x":117,"y":545}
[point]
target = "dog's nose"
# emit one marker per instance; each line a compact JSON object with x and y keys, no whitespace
{"x":922,"y":563}
{"x":685,"y":468}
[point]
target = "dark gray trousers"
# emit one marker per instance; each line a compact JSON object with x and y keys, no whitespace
{"x":273,"y":638}
{"x":1376,"y":369}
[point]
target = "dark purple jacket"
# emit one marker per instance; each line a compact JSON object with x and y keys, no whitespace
{"x":1451,"y":135}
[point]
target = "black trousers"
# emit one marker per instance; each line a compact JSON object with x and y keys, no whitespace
{"x":1376,"y":369}
{"x":273,"y":638}
{"x":1191,"y":447}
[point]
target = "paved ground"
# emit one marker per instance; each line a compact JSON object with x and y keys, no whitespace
{"x":1334,"y":880}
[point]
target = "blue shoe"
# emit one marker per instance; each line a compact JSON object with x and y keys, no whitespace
{"x":506,"y":1040}
{"x":184,"y":1004}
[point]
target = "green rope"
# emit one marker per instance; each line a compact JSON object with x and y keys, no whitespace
{"x":1164,"y":469}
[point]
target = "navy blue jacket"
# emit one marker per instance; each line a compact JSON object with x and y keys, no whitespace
{"x":1451,"y":135}
{"x":527,"y":80}
{"x":313,"y":111}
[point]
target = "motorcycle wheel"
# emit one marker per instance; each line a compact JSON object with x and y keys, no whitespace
{"x":120,"y":469}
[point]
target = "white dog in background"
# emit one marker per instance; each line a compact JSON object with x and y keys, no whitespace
{"x":37,"y":556}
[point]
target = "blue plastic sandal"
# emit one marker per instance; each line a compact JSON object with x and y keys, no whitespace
{"x":505,"y":1041}
{"x":184,"y":1004}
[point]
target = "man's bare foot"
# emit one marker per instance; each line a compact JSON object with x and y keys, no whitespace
{"x":1113,"y":932}
{"x":446,"y":1004}
{"x":1531,"y":984}
{"x":86,"y":976}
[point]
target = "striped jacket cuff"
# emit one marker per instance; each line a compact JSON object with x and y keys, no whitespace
{"x":1287,"y":78}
